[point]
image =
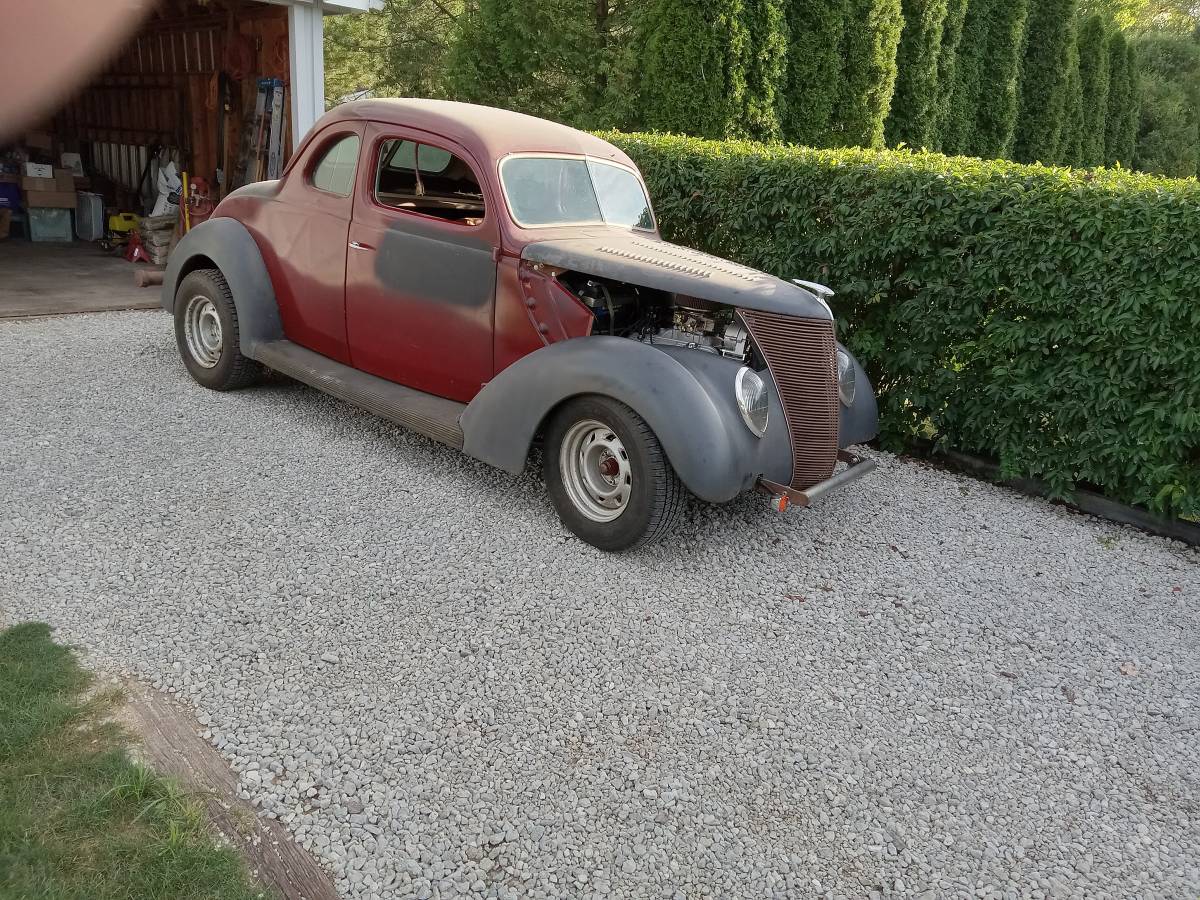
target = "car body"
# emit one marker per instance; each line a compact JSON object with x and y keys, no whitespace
{"x":481,"y":276}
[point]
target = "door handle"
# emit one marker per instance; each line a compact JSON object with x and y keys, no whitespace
{"x":355,"y":245}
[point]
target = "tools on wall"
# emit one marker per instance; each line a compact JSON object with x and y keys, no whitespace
{"x":262,"y":151}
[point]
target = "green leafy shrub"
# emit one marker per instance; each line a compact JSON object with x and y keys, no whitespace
{"x":1046,"y":317}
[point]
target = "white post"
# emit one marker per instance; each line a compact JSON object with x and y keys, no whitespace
{"x":306,"y":46}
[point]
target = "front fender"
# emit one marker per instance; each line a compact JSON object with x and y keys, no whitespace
{"x":227,"y":245}
{"x":860,"y":422}
{"x":685,"y":396}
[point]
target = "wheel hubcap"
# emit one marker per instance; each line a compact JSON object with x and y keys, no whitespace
{"x":202,"y":329}
{"x":595,"y":470}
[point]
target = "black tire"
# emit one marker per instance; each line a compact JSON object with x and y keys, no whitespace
{"x":230,"y":370}
{"x":656,"y":497}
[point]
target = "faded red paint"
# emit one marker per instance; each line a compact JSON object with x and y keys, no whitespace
{"x":332,"y":298}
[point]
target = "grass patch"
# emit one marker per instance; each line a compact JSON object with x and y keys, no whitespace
{"x":78,"y":818}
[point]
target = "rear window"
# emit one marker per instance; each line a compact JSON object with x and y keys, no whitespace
{"x":335,"y":171}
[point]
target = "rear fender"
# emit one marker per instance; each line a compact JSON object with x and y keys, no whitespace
{"x":226,"y":244}
{"x":685,"y":396}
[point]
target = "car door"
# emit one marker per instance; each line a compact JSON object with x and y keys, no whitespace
{"x":304,"y":232}
{"x":421,"y":267}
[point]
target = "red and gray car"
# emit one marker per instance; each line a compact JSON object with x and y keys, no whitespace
{"x":496,"y":281}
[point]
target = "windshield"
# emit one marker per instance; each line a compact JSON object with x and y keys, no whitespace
{"x":558,"y":190}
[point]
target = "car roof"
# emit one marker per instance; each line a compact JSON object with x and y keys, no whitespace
{"x":485,"y":130}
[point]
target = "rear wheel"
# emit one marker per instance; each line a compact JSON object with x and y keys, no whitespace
{"x":206,"y":330}
{"x":608,"y":477}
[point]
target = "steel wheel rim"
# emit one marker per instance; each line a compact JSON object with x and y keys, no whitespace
{"x":595,"y":470}
{"x":203,"y":332}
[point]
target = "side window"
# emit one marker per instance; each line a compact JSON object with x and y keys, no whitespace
{"x":335,"y":171}
{"x":428,"y":180}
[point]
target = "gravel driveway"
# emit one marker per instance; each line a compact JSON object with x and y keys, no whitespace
{"x":926,"y":686}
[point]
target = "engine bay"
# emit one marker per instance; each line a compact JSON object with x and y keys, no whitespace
{"x":659,"y":317}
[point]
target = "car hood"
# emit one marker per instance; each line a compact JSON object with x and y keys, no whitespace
{"x":650,"y":262}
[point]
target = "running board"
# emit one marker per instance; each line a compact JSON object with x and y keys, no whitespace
{"x":434,"y":417}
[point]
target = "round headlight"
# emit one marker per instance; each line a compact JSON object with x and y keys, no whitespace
{"x":845,"y":377}
{"x":751,"y":395}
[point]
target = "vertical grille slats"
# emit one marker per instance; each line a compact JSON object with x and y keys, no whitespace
{"x":802,"y":357}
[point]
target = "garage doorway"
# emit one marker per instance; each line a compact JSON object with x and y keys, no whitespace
{"x":207,"y":90}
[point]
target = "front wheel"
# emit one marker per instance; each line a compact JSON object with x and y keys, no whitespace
{"x":608,"y":477}
{"x":206,"y":330}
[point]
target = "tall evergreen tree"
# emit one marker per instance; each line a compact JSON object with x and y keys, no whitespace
{"x":997,"y":99}
{"x":766,"y":68}
{"x":374,"y":51}
{"x":1168,"y":140}
{"x":1094,"y":82}
{"x":947,"y":66}
{"x":693,"y":66}
{"x":1126,"y":143}
{"x":481,"y":61}
{"x":1070,"y":142}
{"x":1118,"y":135}
{"x":869,"y":72}
{"x":958,"y":134}
{"x":913,"y":116}
{"x":814,"y":69}
{"x":1044,"y":76}
{"x":504,"y":56}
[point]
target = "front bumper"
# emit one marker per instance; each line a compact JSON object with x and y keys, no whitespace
{"x":783,"y":496}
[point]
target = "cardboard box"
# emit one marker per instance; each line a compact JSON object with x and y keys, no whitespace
{"x":38,"y":184}
{"x":64,"y":180}
{"x":50,"y":199}
{"x":73,"y":162}
{"x":6,"y":178}
{"x":37,"y":170}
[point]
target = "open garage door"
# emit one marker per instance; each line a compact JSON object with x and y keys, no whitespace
{"x":211,"y":93}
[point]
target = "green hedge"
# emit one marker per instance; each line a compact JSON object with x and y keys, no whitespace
{"x":1046,"y":317}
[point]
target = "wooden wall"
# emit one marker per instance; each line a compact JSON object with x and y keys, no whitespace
{"x":162,"y":86}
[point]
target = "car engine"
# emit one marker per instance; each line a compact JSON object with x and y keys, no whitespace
{"x":657,"y":317}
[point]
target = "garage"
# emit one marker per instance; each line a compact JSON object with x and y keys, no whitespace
{"x":206,"y":95}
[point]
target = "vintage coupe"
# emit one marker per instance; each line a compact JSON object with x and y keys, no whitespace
{"x":490,"y":280}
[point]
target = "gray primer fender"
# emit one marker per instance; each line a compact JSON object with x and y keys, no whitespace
{"x":232,"y":249}
{"x":685,"y":396}
{"x":860,"y":422}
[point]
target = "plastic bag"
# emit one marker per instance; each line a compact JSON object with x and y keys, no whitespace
{"x":169,"y":187}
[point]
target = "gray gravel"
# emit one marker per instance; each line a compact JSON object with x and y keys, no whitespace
{"x":924,"y":687}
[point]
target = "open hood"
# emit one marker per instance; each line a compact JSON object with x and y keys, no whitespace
{"x":648,"y":261}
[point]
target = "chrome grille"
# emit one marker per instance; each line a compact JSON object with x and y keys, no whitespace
{"x":802,"y":357}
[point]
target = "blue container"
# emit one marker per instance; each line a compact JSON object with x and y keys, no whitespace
{"x":49,"y":224}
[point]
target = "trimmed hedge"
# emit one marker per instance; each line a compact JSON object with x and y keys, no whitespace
{"x":1047,"y":317}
